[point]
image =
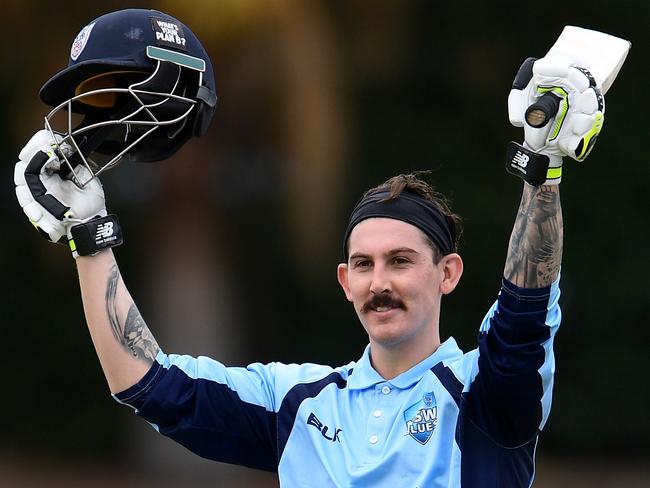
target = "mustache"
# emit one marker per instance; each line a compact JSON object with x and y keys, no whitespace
{"x":382,"y":300}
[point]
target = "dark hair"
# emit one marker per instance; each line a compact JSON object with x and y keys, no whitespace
{"x":413,"y":183}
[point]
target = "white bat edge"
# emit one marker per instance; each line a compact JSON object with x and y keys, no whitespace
{"x":602,"y":54}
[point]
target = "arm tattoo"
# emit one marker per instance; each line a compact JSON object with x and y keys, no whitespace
{"x":535,"y":249}
{"x":111,"y":307}
{"x":134,"y":335}
{"x":137,"y":336}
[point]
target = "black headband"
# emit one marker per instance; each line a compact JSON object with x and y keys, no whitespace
{"x":407,"y":207}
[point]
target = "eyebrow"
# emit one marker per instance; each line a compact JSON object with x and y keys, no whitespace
{"x":392,"y":252}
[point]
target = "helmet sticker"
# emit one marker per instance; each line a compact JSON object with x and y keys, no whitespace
{"x":168,"y":33}
{"x":80,"y":41}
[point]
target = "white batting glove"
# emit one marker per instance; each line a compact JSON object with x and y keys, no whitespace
{"x":52,"y":204}
{"x":570,"y":130}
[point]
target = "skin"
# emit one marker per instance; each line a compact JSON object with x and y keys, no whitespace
{"x":125,"y":346}
{"x":390,"y":262}
{"x":535,"y":248}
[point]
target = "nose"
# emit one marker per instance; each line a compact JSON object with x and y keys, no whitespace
{"x":380,"y":281}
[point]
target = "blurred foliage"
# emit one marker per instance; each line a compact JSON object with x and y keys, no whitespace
{"x":419,"y":85}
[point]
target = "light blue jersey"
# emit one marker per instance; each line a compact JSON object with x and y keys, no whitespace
{"x":453,"y":420}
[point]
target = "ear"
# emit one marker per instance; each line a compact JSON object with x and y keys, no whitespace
{"x":452,"y":269}
{"x":342,"y":275}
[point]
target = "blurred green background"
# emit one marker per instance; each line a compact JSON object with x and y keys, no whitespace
{"x":232,"y":245}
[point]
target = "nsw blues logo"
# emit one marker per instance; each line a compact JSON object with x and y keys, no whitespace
{"x":80,"y":41}
{"x":421,"y":418}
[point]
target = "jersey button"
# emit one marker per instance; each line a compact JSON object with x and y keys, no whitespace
{"x":373,"y":439}
{"x":385,"y":389}
{"x":377,"y":413}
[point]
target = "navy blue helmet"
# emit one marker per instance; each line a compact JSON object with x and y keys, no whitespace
{"x":143,"y":85}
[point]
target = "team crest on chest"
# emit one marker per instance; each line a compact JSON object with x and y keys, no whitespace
{"x":421,"y":418}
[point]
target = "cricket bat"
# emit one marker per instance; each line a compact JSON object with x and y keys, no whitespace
{"x":602,"y":54}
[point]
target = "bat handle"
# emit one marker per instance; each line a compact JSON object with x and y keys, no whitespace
{"x":543,"y":110}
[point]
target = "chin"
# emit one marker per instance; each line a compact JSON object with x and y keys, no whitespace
{"x":388,"y":334}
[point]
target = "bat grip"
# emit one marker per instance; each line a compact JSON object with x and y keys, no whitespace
{"x":543,"y":110}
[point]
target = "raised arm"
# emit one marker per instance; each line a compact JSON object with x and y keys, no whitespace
{"x":194,"y":401}
{"x":509,"y":400}
{"x":535,"y":249}
{"x":124,"y":344}
{"x":64,"y":212}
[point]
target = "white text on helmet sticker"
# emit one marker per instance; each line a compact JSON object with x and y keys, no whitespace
{"x":80,"y":41}
{"x":168,"y":33}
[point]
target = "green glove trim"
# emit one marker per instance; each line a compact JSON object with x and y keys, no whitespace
{"x":562,"y":111}
{"x":587,"y":142}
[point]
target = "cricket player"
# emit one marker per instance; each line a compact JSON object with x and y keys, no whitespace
{"x":412,"y":410}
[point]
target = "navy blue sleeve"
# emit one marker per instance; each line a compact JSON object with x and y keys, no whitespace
{"x":509,"y":398}
{"x":224,"y":414}
{"x":230,"y":414}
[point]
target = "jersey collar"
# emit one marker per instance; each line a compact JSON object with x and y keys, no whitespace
{"x":364,"y":375}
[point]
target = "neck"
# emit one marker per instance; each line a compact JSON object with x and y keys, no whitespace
{"x":392,"y":360}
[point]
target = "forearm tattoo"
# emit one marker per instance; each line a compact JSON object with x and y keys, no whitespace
{"x":535,"y":249}
{"x":133,"y":335}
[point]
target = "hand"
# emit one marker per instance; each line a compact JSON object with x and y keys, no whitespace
{"x":571,"y":131}
{"x":52,"y":204}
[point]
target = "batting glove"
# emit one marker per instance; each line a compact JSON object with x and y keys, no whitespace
{"x":57,"y":207}
{"x":561,"y":110}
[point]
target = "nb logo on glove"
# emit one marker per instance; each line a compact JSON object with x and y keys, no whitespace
{"x":104,"y":231}
{"x":521,"y":159}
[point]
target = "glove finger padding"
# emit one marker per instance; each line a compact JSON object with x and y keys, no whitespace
{"x":581,"y":129}
{"x":36,"y":174}
{"x":579,"y":120}
{"x":51,"y":203}
{"x":47,"y":224}
{"x":521,"y":94}
{"x":41,"y":140}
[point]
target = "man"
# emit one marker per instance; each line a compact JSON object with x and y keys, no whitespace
{"x":412,"y":411}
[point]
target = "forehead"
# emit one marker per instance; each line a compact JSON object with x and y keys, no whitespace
{"x":380,"y":234}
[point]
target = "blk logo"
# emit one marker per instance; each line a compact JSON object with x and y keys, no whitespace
{"x":313,"y":420}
